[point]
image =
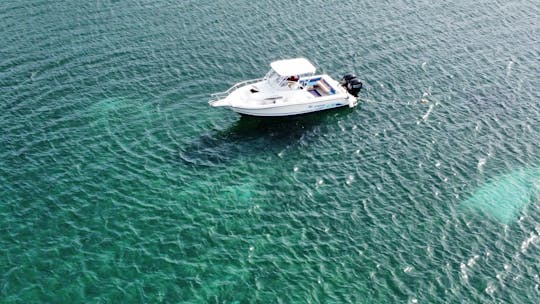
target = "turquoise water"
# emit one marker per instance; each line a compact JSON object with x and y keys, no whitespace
{"x":118,"y":183}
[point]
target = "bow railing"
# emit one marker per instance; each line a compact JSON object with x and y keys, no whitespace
{"x":218,"y":96}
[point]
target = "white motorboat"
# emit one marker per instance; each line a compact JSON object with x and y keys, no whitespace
{"x":289,"y":88}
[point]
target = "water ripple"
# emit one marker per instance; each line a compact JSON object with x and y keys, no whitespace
{"x":120,"y":184}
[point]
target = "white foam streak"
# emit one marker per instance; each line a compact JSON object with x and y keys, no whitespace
{"x":424,"y":118}
{"x":526,"y":243}
{"x":481,"y":163}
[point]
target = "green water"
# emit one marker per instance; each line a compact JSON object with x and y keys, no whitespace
{"x":119,"y":184}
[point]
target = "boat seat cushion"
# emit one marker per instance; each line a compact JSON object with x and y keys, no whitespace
{"x":327,"y":87}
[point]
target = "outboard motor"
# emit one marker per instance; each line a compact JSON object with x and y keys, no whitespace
{"x":352,"y":84}
{"x":346,"y":79}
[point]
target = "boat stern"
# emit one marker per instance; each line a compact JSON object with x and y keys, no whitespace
{"x":353,"y":101}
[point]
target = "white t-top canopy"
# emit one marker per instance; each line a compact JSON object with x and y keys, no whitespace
{"x":290,"y":67}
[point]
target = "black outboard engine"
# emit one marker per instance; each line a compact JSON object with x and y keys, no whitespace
{"x":352,"y":84}
{"x":346,"y":79}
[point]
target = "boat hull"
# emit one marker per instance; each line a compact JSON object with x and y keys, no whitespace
{"x":294,"y":109}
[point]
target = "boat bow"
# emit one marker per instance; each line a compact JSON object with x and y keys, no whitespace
{"x":220,"y":99}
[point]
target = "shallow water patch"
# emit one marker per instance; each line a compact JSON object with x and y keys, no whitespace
{"x":506,"y":196}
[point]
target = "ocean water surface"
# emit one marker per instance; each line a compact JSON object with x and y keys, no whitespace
{"x":119,"y":184}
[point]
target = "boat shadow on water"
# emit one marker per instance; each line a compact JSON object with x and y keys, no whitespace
{"x":258,"y":136}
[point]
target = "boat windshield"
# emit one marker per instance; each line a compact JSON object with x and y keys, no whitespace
{"x":275,"y":79}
